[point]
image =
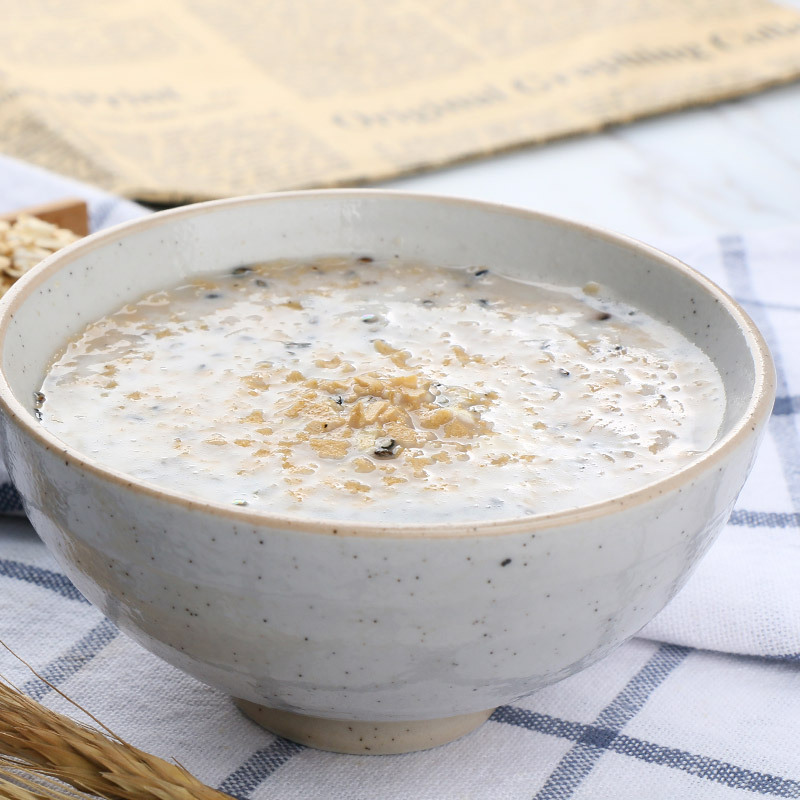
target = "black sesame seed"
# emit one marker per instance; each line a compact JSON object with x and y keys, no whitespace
{"x":339,"y":400}
{"x":428,"y":302}
{"x":602,"y":316}
{"x":260,"y":282}
{"x":505,"y":562}
{"x":290,"y":345}
{"x":481,"y":272}
{"x":385,"y":449}
{"x":365,"y":260}
{"x":213,"y":295}
{"x":482,"y":301}
{"x":562,"y":371}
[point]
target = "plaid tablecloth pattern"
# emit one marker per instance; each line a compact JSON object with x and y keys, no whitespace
{"x":705,"y":703}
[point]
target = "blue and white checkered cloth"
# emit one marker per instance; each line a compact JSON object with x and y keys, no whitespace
{"x":704,"y":704}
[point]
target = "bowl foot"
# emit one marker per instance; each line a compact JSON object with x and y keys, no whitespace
{"x":362,"y":738}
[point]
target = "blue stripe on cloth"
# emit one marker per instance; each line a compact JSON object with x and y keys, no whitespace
{"x":748,"y":301}
{"x":786,"y":405}
{"x":764,"y":519}
{"x":10,"y":501}
{"x":541,"y":723}
{"x":259,"y":766}
{"x":782,"y":426}
{"x":789,"y":658}
{"x":608,"y":740}
{"x":589,"y":748}
{"x":54,"y":581}
{"x":73,"y":660}
{"x":711,"y":769}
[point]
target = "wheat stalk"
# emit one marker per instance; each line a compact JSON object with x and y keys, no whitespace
{"x":17,"y":783}
{"x":35,"y":741}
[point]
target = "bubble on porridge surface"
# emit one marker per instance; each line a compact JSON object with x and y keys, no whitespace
{"x":368,"y":389}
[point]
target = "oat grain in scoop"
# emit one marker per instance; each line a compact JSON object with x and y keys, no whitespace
{"x":356,"y":389}
{"x":24,"y":243}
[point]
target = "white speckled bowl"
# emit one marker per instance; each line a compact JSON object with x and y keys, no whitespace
{"x":350,"y":636}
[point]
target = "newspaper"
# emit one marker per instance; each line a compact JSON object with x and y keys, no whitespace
{"x":183,"y":100}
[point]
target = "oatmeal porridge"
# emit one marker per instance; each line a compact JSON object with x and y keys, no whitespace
{"x":359,"y":389}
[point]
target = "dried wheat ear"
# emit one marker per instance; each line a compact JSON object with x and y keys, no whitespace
{"x":48,"y":756}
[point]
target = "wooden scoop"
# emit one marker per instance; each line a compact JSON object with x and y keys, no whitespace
{"x":70,"y":213}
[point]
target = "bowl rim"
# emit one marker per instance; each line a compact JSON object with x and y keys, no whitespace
{"x":758,"y":409}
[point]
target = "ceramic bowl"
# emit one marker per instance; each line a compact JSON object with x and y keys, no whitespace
{"x":355,"y":637}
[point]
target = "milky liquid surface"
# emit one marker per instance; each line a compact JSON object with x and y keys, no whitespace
{"x":350,"y":389}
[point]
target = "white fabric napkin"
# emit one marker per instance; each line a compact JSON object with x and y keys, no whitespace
{"x":704,"y":704}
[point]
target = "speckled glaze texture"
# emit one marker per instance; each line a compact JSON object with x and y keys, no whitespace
{"x":354,"y":622}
